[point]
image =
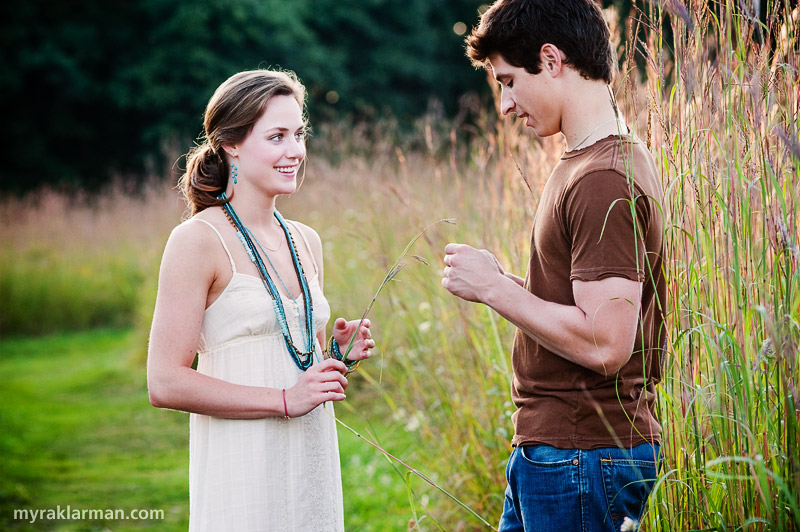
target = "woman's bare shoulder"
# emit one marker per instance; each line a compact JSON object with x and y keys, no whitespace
{"x":309,"y":232}
{"x":194,"y":238}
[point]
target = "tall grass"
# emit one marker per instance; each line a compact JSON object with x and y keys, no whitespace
{"x":719,"y":112}
{"x":726,"y":134}
{"x":72,"y":261}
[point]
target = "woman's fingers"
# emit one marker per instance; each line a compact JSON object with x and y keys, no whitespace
{"x":329,"y":364}
{"x":320,"y":383}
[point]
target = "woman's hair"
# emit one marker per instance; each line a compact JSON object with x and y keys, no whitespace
{"x":230,"y":115}
{"x":517,"y":30}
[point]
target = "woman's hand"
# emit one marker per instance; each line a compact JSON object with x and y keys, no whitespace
{"x":321,"y":382}
{"x":343,"y":331}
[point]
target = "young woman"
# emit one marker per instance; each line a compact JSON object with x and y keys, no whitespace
{"x":241,"y":288}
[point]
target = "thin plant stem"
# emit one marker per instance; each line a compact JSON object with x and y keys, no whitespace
{"x":413,"y":471}
{"x":397,"y":266}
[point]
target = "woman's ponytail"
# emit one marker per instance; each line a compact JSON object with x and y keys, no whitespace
{"x":206,"y":177}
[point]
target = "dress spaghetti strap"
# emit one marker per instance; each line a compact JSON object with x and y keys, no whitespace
{"x":230,"y":257}
{"x":305,"y":241}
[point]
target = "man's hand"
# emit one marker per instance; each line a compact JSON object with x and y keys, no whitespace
{"x":470,"y":273}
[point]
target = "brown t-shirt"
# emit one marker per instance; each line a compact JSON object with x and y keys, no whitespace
{"x":584,"y":230}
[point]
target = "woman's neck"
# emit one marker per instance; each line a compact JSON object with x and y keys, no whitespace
{"x":256,"y":214}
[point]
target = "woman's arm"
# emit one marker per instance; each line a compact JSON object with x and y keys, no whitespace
{"x":193,"y":262}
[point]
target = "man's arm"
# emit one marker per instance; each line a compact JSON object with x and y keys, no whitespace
{"x":598,"y":332}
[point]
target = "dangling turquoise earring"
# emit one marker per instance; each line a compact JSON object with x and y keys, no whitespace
{"x":234,"y":172}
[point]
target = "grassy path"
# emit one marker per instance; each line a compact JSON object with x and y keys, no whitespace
{"x":77,"y":432}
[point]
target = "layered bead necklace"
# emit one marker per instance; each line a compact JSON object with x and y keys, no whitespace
{"x":303,"y":359}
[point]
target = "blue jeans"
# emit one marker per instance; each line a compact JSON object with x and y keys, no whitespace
{"x":577,"y":490}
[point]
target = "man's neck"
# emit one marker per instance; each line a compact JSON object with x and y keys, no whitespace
{"x":588,"y":113}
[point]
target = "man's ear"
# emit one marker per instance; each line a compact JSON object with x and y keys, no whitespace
{"x":552,"y":59}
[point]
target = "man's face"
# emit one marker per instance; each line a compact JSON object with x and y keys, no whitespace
{"x":527,"y":95}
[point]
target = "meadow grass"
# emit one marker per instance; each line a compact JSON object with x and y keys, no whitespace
{"x":726,"y":136}
{"x":77,"y":430}
{"x":720,"y":114}
{"x":73,"y":261}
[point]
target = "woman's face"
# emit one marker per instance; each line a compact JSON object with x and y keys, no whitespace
{"x":270,"y":155}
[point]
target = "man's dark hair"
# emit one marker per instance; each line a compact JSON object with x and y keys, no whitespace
{"x":517,"y":30}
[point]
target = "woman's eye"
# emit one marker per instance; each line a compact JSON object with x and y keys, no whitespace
{"x":276,"y":138}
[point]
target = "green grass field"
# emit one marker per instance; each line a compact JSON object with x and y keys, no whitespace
{"x":77,"y":431}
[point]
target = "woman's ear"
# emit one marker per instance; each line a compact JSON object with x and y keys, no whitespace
{"x":552,"y":59}
{"x":231,"y":150}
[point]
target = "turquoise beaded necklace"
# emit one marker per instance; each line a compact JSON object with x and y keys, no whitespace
{"x":303,"y":359}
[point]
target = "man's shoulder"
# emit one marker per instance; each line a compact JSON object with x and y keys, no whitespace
{"x":621,"y":159}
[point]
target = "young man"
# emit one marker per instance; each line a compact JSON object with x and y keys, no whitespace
{"x":589,"y":313}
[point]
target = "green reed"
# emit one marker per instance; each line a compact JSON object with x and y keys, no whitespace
{"x":394,"y":270}
{"x":726,"y":130}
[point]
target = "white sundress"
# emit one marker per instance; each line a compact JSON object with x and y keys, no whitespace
{"x":261,"y":475}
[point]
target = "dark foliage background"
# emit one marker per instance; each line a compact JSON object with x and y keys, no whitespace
{"x":91,"y":89}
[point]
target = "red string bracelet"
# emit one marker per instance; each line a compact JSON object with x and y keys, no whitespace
{"x":285,"y":410}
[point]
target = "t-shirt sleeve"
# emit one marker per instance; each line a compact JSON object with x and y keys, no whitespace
{"x":605,"y":231}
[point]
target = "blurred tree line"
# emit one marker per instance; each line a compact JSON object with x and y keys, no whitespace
{"x":89,"y":88}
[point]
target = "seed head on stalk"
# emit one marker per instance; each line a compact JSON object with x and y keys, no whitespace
{"x":396,"y":268}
